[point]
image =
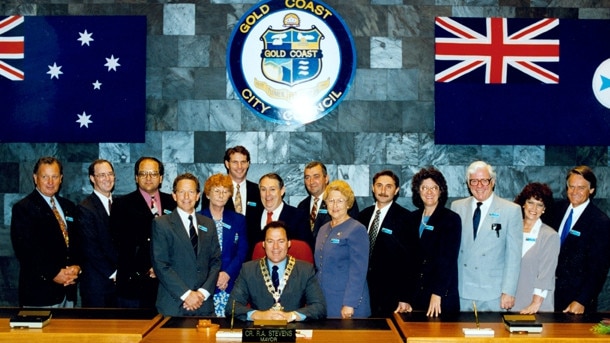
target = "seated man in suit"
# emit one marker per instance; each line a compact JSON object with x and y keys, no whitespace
{"x":295,"y":296}
{"x":272,"y":192}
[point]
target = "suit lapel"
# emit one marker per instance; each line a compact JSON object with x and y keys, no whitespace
{"x":180,"y":230}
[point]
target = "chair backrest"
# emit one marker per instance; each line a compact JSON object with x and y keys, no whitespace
{"x":299,"y":249}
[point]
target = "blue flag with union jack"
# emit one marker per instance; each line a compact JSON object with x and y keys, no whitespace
{"x":522,"y":81}
{"x":73,"y":78}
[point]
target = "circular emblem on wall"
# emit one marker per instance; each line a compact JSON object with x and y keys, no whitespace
{"x":601,"y":83}
{"x":291,"y":61}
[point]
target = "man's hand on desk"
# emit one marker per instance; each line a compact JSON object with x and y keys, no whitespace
{"x":403,"y":307}
{"x":575,"y":307}
{"x":534,"y":306}
{"x":275,"y":315}
{"x":434,"y":309}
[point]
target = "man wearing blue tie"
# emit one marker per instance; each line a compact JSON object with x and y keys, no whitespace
{"x":584,"y":257}
{"x":489,"y":260}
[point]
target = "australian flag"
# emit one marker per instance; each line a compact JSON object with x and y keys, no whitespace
{"x":522,"y":81}
{"x":72,"y":78}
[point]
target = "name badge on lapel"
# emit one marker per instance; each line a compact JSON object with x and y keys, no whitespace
{"x":575,"y":233}
{"x":202,"y":228}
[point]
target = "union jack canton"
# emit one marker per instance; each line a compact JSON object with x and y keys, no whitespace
{"x":11,"y":47}
{"x":526,"y":46}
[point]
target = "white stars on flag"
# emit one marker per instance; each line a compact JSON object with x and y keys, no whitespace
{"x":83,"y":119}
{"x":85,"y":38}
{"x":55,"y":71}
{"x":112,"y":63}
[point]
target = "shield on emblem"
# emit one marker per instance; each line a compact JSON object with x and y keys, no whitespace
{"x":291,"y":56}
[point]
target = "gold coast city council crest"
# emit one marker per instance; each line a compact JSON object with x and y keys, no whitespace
{"x":291,"y":61}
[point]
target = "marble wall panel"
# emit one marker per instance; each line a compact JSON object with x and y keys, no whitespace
{"x":385,"y":122}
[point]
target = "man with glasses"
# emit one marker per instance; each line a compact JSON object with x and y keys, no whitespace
{"x":490,"y":250}
{"x":391,"y":248}
{"x":130,"y":224}
{"x":97,"y":285}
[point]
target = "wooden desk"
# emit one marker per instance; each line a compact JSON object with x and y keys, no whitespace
{"x":556,"y":327}
{"x":84,"y":326}
{"x":173,"y":330}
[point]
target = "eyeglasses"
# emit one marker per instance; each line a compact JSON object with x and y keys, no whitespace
{"x":219,"y":191}
{"x":336,"y":201}
{"x":104,"y":175}
{"x":483,"y":182}
{"x":428,"y":188}
{"x":152,"y":174}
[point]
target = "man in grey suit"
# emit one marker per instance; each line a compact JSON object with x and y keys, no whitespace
{"x":490,"y":250}
{"x":185,"y":254}
{"x":277,"y":286}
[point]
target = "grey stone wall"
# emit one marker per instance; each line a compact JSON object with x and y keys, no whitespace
{"x":387,"y":121}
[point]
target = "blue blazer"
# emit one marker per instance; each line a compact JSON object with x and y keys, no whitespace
{"x":342,"y":257}
{"x":234,"y":243}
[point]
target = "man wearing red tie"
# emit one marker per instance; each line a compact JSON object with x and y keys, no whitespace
{"x":130,"y":225}
{"x":45,"y":240}
{"x":272,"y":190}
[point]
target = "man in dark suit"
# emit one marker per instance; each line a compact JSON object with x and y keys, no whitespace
{"x":97,"y":283}
{"x":277,"y":287}
{"x":584,"y":256}
{"x":246,"y":198}
{"x":45,"y":238}
{"x":185,"y":254}
{"x":316,"y":179}
{"x":130,"y":224}
{"x":390,"y":271}
{"x":274,"y":208}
